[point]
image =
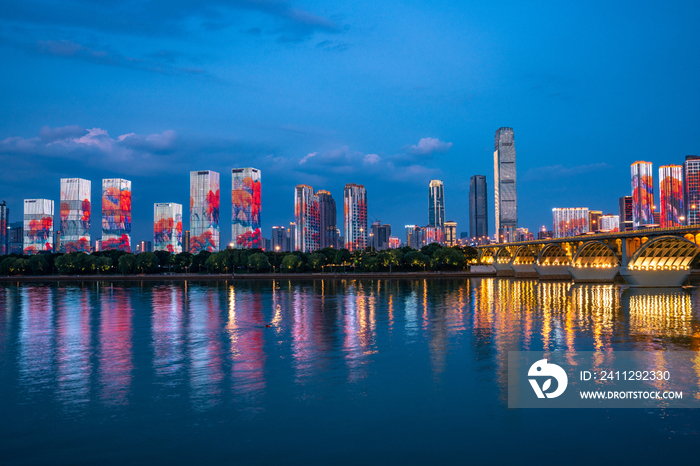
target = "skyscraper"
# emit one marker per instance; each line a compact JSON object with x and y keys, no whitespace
{"x":167,"y":227}
{"x":436,"y":204}
{"x":75,"y":215}
{"x":505,"y":189}
{"x":671,"y":192}
{"x":307,"y":221}
{"x":626,"y":214}
{"x":4,"y":229}
{"x":570,"y":221}
{"x":116,"y":214}
{"x":414,"y":237}
{"x":38,"y":225}
{"x":478,"y":213}
{"x":691,"y":169}
{"x":245,"y":208}
{"x":379,"y":235}
{"x":279,"y":237}
{"x":450,"y":229}
{"x":355,"y":216}
{"x":327,"y":219}
{"x":642,"y":194}
{"x":204,"y":211}
{"x":610,"y":223}
{"x":291,"y":236}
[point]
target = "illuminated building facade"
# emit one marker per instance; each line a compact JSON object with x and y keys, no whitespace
{"x":279,"y":239}
{"x":414,"y":236}
{"x":75,"y":215}
{"x":432,"y":235}
{"x":691,"y":172}
{"x":642,"y":194}
{"x":4,"y":229}
{"x":245,"y":208}
{"x":116,"y":214}
{"x":291,"y":236}
{"x":394,"y":242}
{"x":626,"y":214}
{"x":505,"y":185}
{"x":450,"y":230}
{"x":570,"y":221}
{"x":38,"y":225}
{"x":167,"y":227}
{"x":436,"y":204}
{"x":204,"y":211}
{"x":594,"y":220}
{"x":671,"y":192}
{"x":610,"y":223}
{"x":478,"y":213}
{"x":327,"y":220}
{"x":355,"y":216}
{"x":307,"y":237}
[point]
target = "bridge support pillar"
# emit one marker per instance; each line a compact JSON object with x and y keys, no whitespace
{"x":593,"y":274}
{"x":654,"y":278}
{"x":553,"y":272}
{"x":524,"y":271}
{"x":503,"y":270}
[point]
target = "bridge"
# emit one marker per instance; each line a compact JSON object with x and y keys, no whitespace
{"x":651,"y":257}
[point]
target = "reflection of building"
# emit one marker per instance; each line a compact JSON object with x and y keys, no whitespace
{"x":75,"y":215}
{"x":355,"y":216}
{"x":642,"y":194}
{"x":594,"y":220}
{"x":379,"y":236}
{"x":436,"y":204}
{"x":306,"y":215}
{"x":505,"y":185}
{"x":450,"y":230}
{"x":626,"y":214}
{"x":38,"y":225}
{"x":691,"y":169}
{"x":327,"y":220}
{"x":116,"y":214}
{"x":478,"y":213}
{"x":671,"y":193}
{"x":278,"y":241}
{"x":4,"y":227}
{"x":204,"y":211}
{"x":414,"y":238}
{"x":245,"y":208}
{"x":570,"y":221}
{"x":167,"y":227}
{"x":610,"y":223}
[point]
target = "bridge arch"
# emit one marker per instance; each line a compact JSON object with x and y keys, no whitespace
{"x":523,"y":255}
{"x":664,"y":253}
{"x":503,"y":256}
{"x":595,"y":254}
{"x":552,"y":254}
{"x":486,"y":256}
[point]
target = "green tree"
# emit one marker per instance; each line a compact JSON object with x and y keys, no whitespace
{"x":7,"y":266}
{"x":290,"y":263}
{"x":104,"y":264}
{"x":20,"y":267}
{"x":165,"y":258}
{"x":183,"y":262}
{"x":218,"y":262}
{"x":199,"y":261}
{"x":430,"y":249}
{"x":259,"y":262}
{"x":449,"y":258}
{"x":64,"y":264}
{"x":316,"y":261}
{"x":342,"y":256}
{"x":147,"y":262}
{"x":416,"y":260}
{"x":127,"y":264}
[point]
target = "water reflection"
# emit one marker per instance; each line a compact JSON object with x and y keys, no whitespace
{"x":167,"y":332}
{"x":74,"y":345}
{"x":205,"y":346}
{"x":36,"y":338}
{"x":115,"y":345}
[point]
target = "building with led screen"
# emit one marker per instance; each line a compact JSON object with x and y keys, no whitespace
{"x":167,"y":227}
{"x":307,"y":234}
{"x":642,"y":194}
{"x":355,"y":216}
{"x":204,"y":211}
{"x":38,"y":225}
{"x":505,"y":185}
{"x":116,"y":214}
{"x":671,"y":196}
{"x":432,"y":235}
{"x":75,"y":214}
{"x":570,"y":221}
{"x":4,"y":229}
{"x":245,"y":208}
{"x":691,"y":172}
{"x":436,"y":204}
{"x":610,"y":223}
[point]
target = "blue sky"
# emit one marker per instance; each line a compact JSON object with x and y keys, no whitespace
{"x":388,"y":94}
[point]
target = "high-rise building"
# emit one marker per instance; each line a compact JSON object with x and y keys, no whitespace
{"x":414,"y":237}
{"x":478,"y":212}
{"x":167,"y":227}
{"x":279,"y":237}
{"x":355,"y":216}
{"x":610,"y":223}
{"x":185,"y":241}
{"x":505,"y":185}
{"x":245,"y":208}
{"x":38,"y":225}
{"x":75,"y":215}
{"x":144,"y":246}
{"x":450,"y":230}
{"x":291,"y":236}
{"x":626,"y":214}
{"x":116,"y":214}
{"x":523,"y":234}
{"x":327,"y":220}
{"x":570,"y":221}
{"x":379,"y":236}
{"x":307,"y":221}
{"x":204,"y":211}
{"x":594,"y":220}
{"x":4,"y":227}
{"x":691,"y":172}
{"x":671,"y":192}
{"x":394,"y":242}
{"x":432,"y":235}
{"x":436,"y":204}
{"x":16,"y":237}
{"x":642,"y":194}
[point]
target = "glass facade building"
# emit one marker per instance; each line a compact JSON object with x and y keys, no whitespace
{"x":414,"y":237}
{"x":307,"y":237}
{"x":626,"y":214}
{"x":204,"y":211}
{"x":116,"y":214}
{"x":355,"y":216}
{"x":478,"y":212}
{"x":505,"y":185}
{"x":379,"y":235}
{"x":167,"y":227}
{"x":327,"y":220}
{"x":642,"y":194}
{"x":436,"y":204}
{"x":4,"y":229}
{"x":75,"y":214}
{"x":245,"y":208}
{"x":279,"y":239}
{"x":691,"y":172}
{"x":432,"y":235}
{"x":38,"y":225}
{"x":570,"y":221}
{"x":671,"y":196}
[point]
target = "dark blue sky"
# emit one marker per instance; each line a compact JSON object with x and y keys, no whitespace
{"x":389,"y":94}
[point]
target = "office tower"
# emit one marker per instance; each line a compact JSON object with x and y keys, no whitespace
{"x":414,"y":236}
{"x":450,"y":230}
{"x":245,"y":208}
{"x":691,"y":172}
{"x":594,"y":220}
{"x":327,"y":220}
{"x":279,"y":236}
{"x":185,"y":241}
{"x":379,"y":236}
{"x":4,"y":227}
{"x":307,"y":237}
{"x":394,"y":242}
{"x":355,"y":216}
{"x":16,"y":237}
{"x":116,"y":214}
{"x":657,"y":219}
{"x":167,"y":227}
{"x":291,"y":236}
{"x":432,"y":235}
{"x":610,"y":223}
{"x":626,"y":214}
{"x":570,"y":221}
{"x":38,"y":225}
{"x":672,"y":211}
{"x":436,"y":204}
{"x":505,"y":185}
{"x":204,"y":211}
{"x":75,"y":215}
{"x":478,"y":213}
{"x":642,"y":194}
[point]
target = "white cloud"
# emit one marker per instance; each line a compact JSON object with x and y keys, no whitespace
{"x":372,"y":158}
{"x":429,"y":145}
{"x":307,"y":157}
